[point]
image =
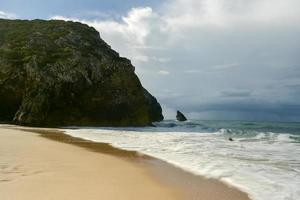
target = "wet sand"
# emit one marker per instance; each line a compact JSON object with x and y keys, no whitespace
{"x":47,"y":164}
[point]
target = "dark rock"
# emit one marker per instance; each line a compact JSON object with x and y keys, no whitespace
{"x":57,"y":73}
{"x":180,"y":116}
{"x":230,"y":139}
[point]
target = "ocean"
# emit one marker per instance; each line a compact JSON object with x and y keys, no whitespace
{"x":263,"y":159}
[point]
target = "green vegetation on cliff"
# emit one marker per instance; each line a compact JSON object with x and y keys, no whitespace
{"x":57,"y":73}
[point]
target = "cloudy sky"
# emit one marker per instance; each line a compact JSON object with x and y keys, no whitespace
{"x":212,"y":59}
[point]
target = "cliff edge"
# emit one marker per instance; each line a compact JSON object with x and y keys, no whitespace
{"x":57,"y":73}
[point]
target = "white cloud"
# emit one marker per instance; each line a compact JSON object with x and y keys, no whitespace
{"x":6,"y":15}
{"x":212,"y":69}
{"x":225,"y":66}
{"x":185,"y":13}
{"x":163,"y":60}
{"x":127,"y":36}
{"x":142,"y":30}
{"x":217,"y":44}
{"x":163,"y":72}
{"x":193,"y":71}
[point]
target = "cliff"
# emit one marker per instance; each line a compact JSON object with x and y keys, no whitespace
{"x":57,"y":73}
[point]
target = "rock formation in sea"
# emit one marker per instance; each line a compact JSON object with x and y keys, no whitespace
{"x":57,"y":73}
{"x":180,"y":116}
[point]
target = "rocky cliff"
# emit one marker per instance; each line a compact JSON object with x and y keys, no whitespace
{"x":57,"y":73}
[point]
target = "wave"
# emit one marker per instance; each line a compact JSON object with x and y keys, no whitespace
{"x":262,"y":163}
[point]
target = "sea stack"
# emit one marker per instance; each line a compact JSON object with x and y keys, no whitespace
{"x":180,"y":116}
{"x":57,"y":73}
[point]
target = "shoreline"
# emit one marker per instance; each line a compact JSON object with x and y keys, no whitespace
{"x":185,"y":184}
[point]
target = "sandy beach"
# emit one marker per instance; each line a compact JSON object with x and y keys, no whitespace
{"x":56,"y":166}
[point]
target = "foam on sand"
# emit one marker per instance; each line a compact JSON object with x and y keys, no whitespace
{"x":263,"y":164}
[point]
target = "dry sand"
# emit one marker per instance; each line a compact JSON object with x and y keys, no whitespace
{"x":36,"y":168}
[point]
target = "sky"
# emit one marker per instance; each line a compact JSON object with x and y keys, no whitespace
{"x":211,"y":59}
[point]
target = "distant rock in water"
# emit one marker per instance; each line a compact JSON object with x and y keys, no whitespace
{"x":57,"y":73}
{"x":180,"y":116}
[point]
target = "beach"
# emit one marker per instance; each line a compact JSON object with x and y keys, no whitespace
{"x":46,"y":164}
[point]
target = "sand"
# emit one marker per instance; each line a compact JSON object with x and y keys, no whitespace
{"x":56,"y":166}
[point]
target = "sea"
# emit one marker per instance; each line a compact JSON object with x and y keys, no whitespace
{"x":263,"y":159}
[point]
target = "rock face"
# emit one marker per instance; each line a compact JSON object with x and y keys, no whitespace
{"x":57,"y":73}
{"x":180,"y":116}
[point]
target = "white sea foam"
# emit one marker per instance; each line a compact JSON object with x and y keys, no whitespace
{"x":265,"y":165}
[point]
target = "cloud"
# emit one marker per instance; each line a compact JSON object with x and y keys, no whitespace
{"x":143,"y":30}
{"x":236,"y":93}
{"x":225,"y":66}
{"x":163,"y":72}
{"x":127,"y":36}
{"x":293,"y":86}
{"x":193,"y":71}
{"x":195,"y":13}
{"x":6,"y":15}
{"x":213,"y":69}
{"x":220,"y":53}
{"x":236,"y":110}
{"x":161,"y":59}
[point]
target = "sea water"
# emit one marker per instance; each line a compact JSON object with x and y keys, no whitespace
{"x":263,"y":159}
